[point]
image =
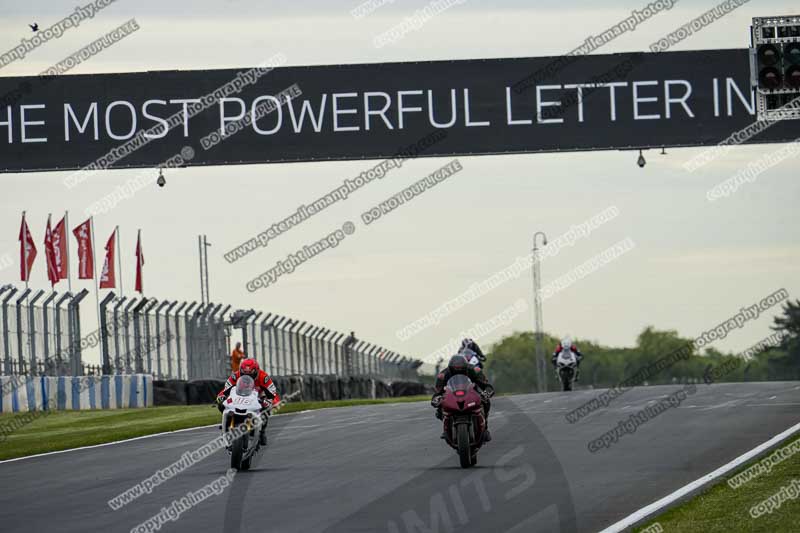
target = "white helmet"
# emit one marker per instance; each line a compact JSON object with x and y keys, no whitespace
{"x":566,"y":342}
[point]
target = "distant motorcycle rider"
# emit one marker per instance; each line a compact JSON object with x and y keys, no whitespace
{"x":459,"y":365}
{"x":267,"y":392}
{"x":567,"y":344}
{"x":477,"y":358}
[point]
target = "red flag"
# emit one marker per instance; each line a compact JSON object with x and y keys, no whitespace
{"x":85,"y":253}
{"x":27,"y":251}
{"x":139,"y":263}
{"x":60,"y":248}
{"x":107,"y":279}
{"x":50,"y":255}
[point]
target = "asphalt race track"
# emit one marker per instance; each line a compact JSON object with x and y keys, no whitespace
{"x":384,"y":468}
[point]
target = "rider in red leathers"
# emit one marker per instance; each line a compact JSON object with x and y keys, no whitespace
{"x":267,"y":392}
{"x":572,"y":347}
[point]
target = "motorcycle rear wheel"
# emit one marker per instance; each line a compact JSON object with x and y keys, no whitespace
{"x":464,"y":455}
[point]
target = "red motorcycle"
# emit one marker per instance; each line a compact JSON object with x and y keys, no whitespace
{"x":464,"y":421}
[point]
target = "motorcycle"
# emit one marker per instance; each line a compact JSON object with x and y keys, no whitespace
{"x":242,"y":419}
{"x":473,"y":358}
{"x":464,"y":421}
{"x":566,"y":369}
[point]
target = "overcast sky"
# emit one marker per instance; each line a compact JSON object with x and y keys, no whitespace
{"x":694,"y":263}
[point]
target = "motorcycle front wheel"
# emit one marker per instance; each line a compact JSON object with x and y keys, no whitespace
{"x":566,"y":381}
{"x":462,"y":437}
{"x":237,"y":452}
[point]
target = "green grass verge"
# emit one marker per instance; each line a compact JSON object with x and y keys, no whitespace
{"x":722,"y":509}
{"x":61,"y":430}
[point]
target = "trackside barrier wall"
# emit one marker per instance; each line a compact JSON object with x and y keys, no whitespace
{"x":298,"y":388}
{"x":38,"y":393}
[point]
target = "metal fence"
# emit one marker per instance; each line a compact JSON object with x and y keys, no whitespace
{"x":169,"y":339}
{"x":40,"y":334}
{"x":289,"y":346}
{"x":184,"y":340}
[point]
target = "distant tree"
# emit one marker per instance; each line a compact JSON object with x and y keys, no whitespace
{"x":512,"y":364}
{"x":788,"y":323}
{"x":653,"y":345}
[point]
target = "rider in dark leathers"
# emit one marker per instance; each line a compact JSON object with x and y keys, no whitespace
{"x":459,"y":365}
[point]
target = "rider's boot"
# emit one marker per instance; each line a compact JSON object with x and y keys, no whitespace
{"x":440,"y":416}
{"x":487,"y":436}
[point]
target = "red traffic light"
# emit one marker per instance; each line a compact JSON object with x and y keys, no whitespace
{"x":770,"y":78}
{"x":768,"y":55}
{"x":793,"y":76}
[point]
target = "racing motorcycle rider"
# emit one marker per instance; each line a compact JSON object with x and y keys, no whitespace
{"x":459,"y":365}
{"x":477,"y":358}
{"x":267,"y":392}
{"x":567,"y":343}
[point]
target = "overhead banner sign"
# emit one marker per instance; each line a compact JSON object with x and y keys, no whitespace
{"x":372,"y":111}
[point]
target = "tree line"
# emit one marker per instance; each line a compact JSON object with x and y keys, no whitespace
{"x":511,"y":363}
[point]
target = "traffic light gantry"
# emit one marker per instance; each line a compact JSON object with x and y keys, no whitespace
{"x":775,"y":66}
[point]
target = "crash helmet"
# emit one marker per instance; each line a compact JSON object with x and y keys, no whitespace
{"x":249,"y":367}
{"x":458,"y":364}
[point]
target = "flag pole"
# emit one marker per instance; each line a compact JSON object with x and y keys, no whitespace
{"x":27,"y":276}
{"x":25,"y":255}
{"x":52,"y":284}
{"x":139,"y":260}
{"x":66,"y":236}
{"x":94,"y":275}
{"x":119,"y":261}
{"x":46,"y":261}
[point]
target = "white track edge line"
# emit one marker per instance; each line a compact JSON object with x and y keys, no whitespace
{"x":648,"y":510}
{"x":129,"y":440}
{"x":159,"y":435}
{"x":105,"y":443}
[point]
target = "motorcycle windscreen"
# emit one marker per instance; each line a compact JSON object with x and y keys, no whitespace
{"x":459,"y":384}
{"x":468,"y":354}
{"x":245,"y":386}
{"x":566,"y":357}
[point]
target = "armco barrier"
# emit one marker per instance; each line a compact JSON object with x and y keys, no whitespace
{"x":170,"y":392}
{"x":305,"y":388}
{"x":409,"y":388}
{"x":26,"y":393}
